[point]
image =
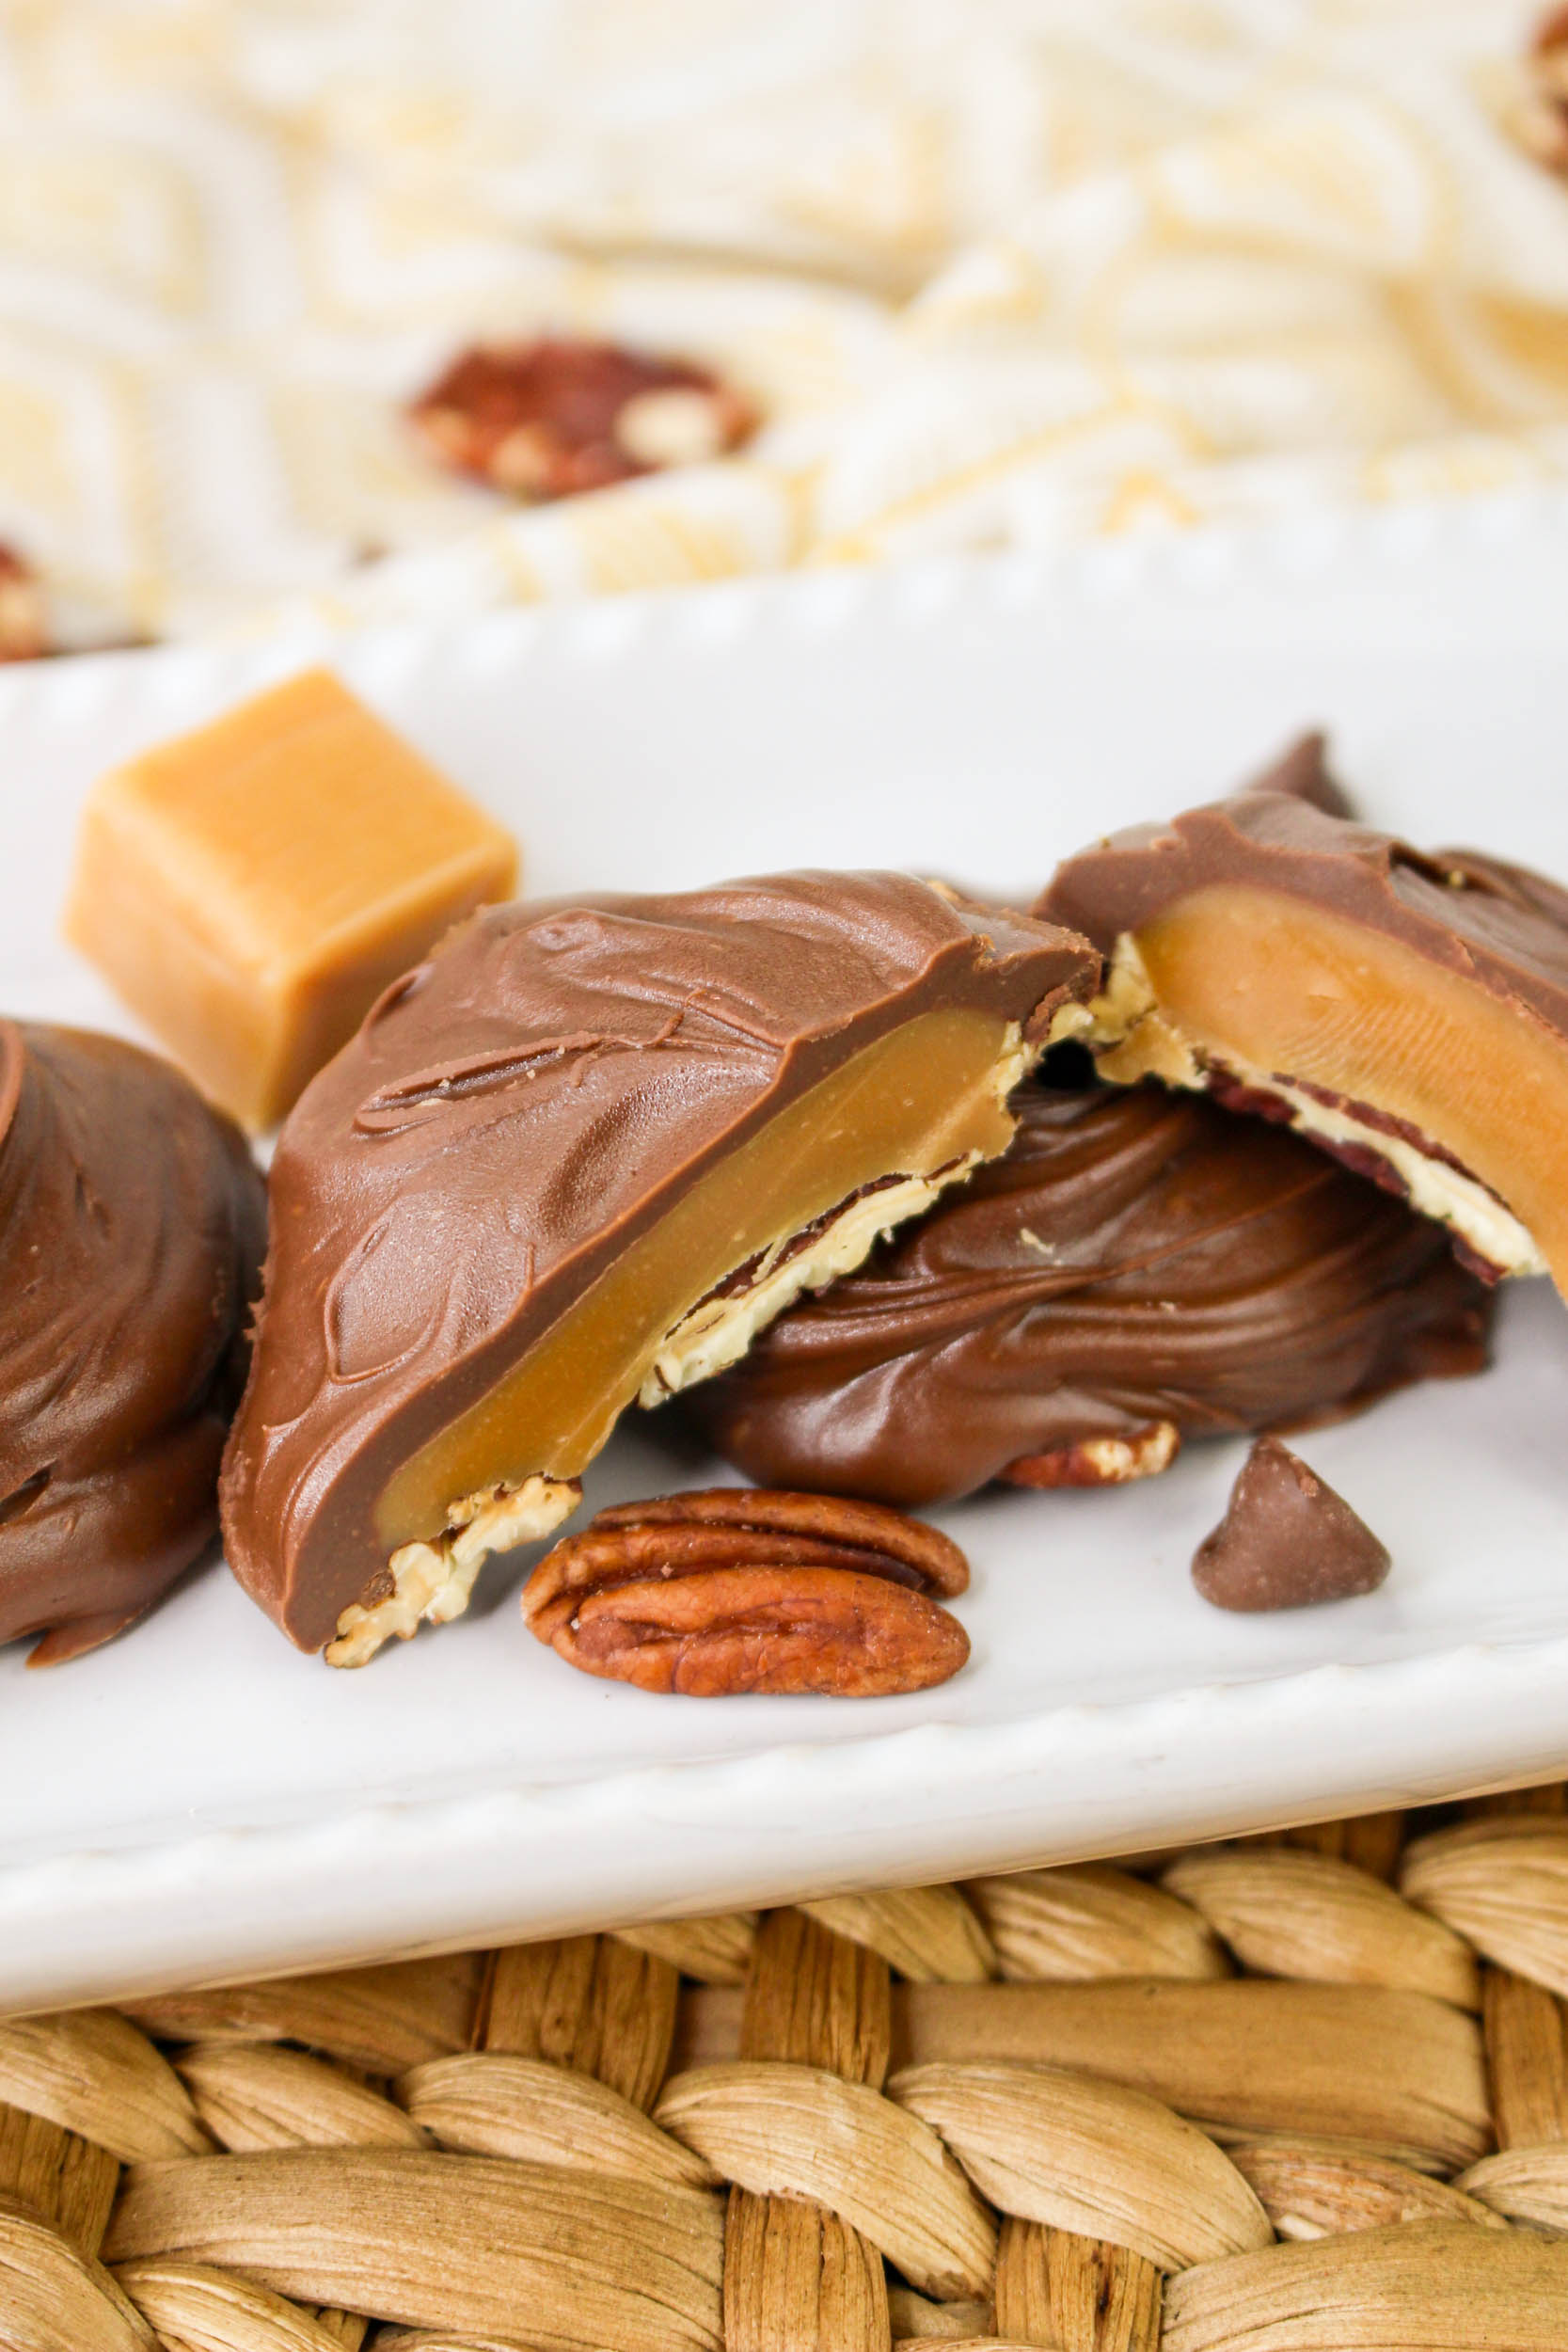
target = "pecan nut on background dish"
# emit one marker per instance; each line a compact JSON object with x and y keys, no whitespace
{"x":24,"y":627}
{"x":549,"y":419}
{"x":1537,"y":106}
{"x":730,"y":1589}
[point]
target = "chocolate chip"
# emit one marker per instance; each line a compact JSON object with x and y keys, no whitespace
{"x":1286,"y":1540}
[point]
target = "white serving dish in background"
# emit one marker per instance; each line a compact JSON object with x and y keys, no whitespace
{"x":198,"y":1800}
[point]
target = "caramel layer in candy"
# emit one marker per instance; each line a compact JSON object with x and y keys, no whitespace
{"x":132,"y":1222}
{"x":1140,"y":1267}
{"x":1409,"y":1013}
{"x":582,"y":1156}
{"x":251,"y":888}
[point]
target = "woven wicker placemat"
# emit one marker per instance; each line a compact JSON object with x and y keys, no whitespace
{"x":1301,"y":2093}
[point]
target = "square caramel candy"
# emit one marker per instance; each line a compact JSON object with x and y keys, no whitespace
{"x":249,"y":889}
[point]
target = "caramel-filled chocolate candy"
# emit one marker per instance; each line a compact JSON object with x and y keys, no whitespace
{"x":1287,"y":1540}
{"x":1407,"y":1012}
{"x":132,"y":1225}
{"x":1139,"y":1268}
{"x":251,"y":888}
{"x":582,"y":1156}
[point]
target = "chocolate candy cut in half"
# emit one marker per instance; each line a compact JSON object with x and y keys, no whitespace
{"x":1407,"y":1012}
{"x":1139,"y":1268}
{"x":132,"y":1226}
{"x":579,"y":1158}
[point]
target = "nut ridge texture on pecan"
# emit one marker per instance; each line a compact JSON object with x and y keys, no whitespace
{"x":1139,"y":1268}
{"x":727,"y":1590}
{"x":1406,"y":1012}
{"x":521,"y":1197}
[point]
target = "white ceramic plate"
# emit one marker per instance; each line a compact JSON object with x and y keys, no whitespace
{"x":199,"y":1801}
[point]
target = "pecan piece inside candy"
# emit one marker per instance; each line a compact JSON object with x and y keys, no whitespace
{"x":1099,"y":1461}
{"x":732,"y":1590}
{"x":547,"y":420}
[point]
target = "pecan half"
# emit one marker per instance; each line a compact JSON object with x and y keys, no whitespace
{"x":730,"y":1589}
{"x":549,"y":419}
{"x":1099,"y":1461}
{"x":1538,"y":114}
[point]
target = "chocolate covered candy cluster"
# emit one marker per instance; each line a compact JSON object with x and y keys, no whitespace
{"x":780,"y":1148}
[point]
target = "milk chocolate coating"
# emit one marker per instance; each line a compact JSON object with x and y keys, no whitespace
{"x":1498,"y":926}
{"x":1136,"y":1257}
{"x":1517,"y":886}
{"x":510,"y":1120}
{"x":132,"y":1226}
{"x":1303,"y":773}
{"x":1287,"y":1540}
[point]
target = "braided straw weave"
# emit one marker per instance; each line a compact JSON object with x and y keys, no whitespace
{"x":1299,"y":2093}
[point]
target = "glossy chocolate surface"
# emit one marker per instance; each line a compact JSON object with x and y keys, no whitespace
{"x":1287,"y":1540}
{"x":131,"y":1223}
{"x":1136,"y":1257}
{"x":511,"y":1121}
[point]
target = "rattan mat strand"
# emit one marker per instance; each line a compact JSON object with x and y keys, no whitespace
{"x":1300,"y":2091}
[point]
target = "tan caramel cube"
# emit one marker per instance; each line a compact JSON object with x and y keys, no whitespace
{"x":250,"y":889}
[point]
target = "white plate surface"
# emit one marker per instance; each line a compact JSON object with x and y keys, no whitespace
{"x":199,"y":1801}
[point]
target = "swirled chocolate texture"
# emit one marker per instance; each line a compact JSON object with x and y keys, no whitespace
{"x":132,"y":1227}
{"x":1139,"y":1258}
{"x":1408,"y":1012}
{"x":576,"y":1157}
